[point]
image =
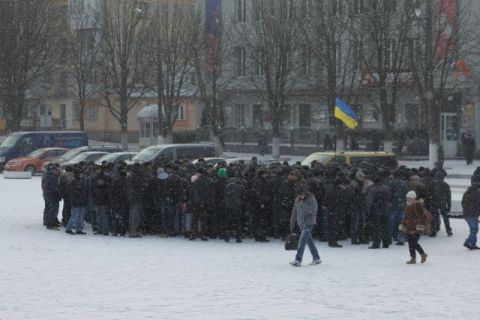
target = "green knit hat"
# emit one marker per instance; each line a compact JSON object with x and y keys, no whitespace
{"x":222,"y":173}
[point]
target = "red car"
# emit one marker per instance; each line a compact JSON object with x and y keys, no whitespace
{"x":33,"y":162}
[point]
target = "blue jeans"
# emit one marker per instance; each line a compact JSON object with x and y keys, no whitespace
{"x":395,"y":218}
{"x":473,"y":225}
{"x":306,"y":239}
{"x":76,"y":219}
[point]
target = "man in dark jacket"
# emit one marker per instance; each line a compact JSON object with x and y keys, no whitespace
{"x":136,"y":186}
{"x":51,"y":195}
{"x":198,"y":203}
{"x":119,"y":203}
{"x":234,"y":202}
{"x":377,"y":209}
{"x":442,"y":198}
{"x":471,"y":212}
{"x":304,"y":214}
{"x":261,"y":196}
{"x":101,"y":195}
{"x":78,"y":200}
{"x":469,"y":148}
{"x":220,"y":221}
{"x":398,"y":188}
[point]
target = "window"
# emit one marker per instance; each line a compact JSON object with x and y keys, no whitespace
{"x":181,"y":112}
{"x":257,"y":116}
{"x":286,"y":116}
{"x":239,"y":115}
{"x":371,"y":116}
{"x":259,"y":61}
{"x":241,"y":10}
{"x":257,"y":10}
{"x":337,"y":7}
{"x":241,"y":60}
{"x":357,"y":54}
{"x":305,"y":116}
{"x":358,"y":7}
{"x":92,"y":113}
{"x":76,"y":111}
{"x":306,"y":60}
{"x":339,"y":58}
{"x":307,"y":8}
{"x":389,"y":53}
{"x":412,"y":116}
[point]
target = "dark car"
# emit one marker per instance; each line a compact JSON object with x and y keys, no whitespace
{"x":20,"y":144}
{"x":74,"y":152}
{"x":83,"y":157}
{"x":116,"y":157}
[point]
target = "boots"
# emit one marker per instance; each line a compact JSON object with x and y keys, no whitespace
{"x":412,"y":260}
{"x":424,"y":258}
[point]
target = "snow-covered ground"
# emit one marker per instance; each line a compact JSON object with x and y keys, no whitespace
{"x":52,"y":275}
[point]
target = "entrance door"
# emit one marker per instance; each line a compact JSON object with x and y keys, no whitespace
{"x":449,"y":134}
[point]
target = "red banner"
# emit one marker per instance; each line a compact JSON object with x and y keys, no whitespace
{"x":446,"y":28}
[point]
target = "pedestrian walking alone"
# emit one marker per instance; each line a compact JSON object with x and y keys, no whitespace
{"x":304,"y":214}
{"x":414,"y":219}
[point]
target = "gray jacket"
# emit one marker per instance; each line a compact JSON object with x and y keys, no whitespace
{"x":304,"y":212}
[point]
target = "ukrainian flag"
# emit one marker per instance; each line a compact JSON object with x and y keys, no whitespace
{"x":345,"y":113}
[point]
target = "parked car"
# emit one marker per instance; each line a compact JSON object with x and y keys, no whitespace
{"x":33,"y":162}
{"x":74,"y":152}
{"x":20,"y":144}
{"x":83,"y":157}
{"x":386,"y":159}
{"x":176,"y":151}
{"x":210,"y":160}
{"x":116,"y":157}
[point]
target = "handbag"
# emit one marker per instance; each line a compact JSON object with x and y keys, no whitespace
{"x":292,"y":242}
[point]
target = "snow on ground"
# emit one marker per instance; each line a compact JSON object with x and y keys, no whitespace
{"x":51,"y":275}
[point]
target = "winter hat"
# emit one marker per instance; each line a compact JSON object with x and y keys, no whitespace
{"x":412,"y":195}
{"x":360,"y":175}
{"x":222,"y":173}
{"x":161,"y":174}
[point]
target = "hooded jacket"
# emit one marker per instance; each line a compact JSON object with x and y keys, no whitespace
{"x":304,"y":212}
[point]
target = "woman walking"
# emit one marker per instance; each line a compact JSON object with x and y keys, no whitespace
{"x":415,"y":220}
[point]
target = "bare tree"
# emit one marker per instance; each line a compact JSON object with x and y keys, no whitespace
{"x":213,"y":72}
{"x":84,"y":53}
{"x":27,"y":35}
{"x":333,"y":37}
{"x":440,"y":35}
{"x":274,"y":40}
{"x":386,"y":26}
{"x":123,"y":42}
{"x":173,"y":29}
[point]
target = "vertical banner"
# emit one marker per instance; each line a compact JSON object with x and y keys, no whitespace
{"x":212,"y":15}
{"x":447,"y":25}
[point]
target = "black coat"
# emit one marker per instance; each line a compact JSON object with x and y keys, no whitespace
{"x":471,"y":201}
{"x":136,"y":186}
{"x":51,"y":187}
{"x":235,"y":194}
{"x":78,"y":192}
{"x":101,"y":184}
{"x":376,"y":203}
{"x":201,"y":193}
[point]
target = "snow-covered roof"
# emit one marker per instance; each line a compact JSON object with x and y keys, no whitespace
{"x":150,"y":111}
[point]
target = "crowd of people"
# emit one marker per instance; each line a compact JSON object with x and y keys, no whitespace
{"x":363,"y":203}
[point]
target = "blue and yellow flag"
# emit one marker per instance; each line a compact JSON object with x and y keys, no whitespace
{"x":345,"y":113}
